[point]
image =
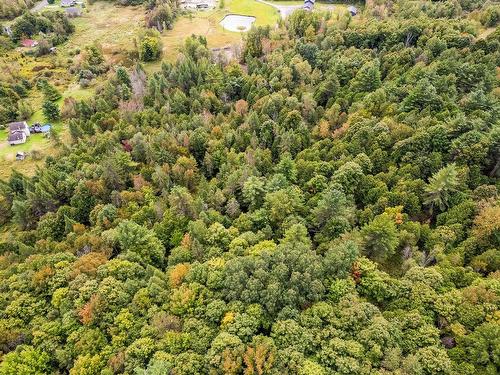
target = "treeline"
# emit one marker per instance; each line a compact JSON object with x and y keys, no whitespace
{"x":10,"y":9}
{"x":486,"y":12}
{"x":329,"y":205}
{"x":55,"y":24}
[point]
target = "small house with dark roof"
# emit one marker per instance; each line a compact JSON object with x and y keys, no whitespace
{"x":352,"y":10}
{"x":17,"y":138}
{"x":73,"y":12}
{"x":308,"y":4}
{"x":19,"y":127}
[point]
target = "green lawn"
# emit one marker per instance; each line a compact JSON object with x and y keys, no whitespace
{"x":206,"y":23}
{"x":34,"y":142}
{"x":264,"y":14}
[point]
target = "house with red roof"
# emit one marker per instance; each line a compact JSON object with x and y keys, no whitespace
{"x":29,"y":43}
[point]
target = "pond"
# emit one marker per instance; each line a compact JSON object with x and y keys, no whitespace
{"x":236,"y":22}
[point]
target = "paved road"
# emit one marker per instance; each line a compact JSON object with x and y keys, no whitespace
{"x":39,"y":6}
{"x":284,"y":10}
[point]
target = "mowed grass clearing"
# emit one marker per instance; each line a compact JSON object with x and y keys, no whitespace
{"x":36,"y":142}
{"x":8,"y":162}
{"x":264,"y":14}
{"x":206,"y":23}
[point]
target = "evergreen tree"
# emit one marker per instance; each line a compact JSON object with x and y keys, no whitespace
{"x":367,"y":78}
{"x":440,"y":187}
{"x":50,"y":92}
{"x":51,"y":111}
{"x":123,"y":77}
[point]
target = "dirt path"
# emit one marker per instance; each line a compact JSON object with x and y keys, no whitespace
{"x":284,"y":10}
{"x":39,"y":6}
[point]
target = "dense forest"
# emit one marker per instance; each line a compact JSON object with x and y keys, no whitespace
{"x":328,"y":204}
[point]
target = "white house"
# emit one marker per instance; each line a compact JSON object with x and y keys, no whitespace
{"x":17,"y":138}
{"x":19,"y":127}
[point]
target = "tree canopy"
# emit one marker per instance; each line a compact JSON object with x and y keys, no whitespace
{"x":326,"y":204}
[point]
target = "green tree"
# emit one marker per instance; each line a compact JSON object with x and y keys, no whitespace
{"x":50,"y":92}
{"x":367,"y":79}
{"x":422,"y":95}
{"x":150,"y":47}
{"x":339,"y":259}
{"x":380,"y":237}
{"x":440,"y":187}
{"x":253,"y":192}
{"x":25,"y":360}
{"x":51,"y":111}
{"x":300,"y":21}
{"x":140,"y":244}
{"x":123,"y":76}
{"x":253,"y":45}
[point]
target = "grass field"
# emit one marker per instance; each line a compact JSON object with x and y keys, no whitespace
{"x":264,"y":14}
{"x":114,"y":27}
{"x":206,"y":23}
{"x":8,"y":162}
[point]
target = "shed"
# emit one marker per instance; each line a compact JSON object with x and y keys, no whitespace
{"x":73,"y":12}
{"x":67,"y":3}
{"x":21,"y":155}
{"x":19,"y":127}
{"x":17,"y":138}
{"x":352,"y":10}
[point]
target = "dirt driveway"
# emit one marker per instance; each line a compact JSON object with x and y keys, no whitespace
{"x":39,"y":6}
{"x":285,"y":10}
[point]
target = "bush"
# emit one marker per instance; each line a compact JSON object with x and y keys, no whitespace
{"x":490,"y":16}
{"x":84,"y":83}
{"x":150,"y":46}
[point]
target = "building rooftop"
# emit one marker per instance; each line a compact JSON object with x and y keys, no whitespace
{"x":16,"y":136}
{"x":73,"y":11}
{"x":28,"y":43}
{"x":20,"y":125}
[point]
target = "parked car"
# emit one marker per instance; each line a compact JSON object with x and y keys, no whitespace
{"x":36,"y":128}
